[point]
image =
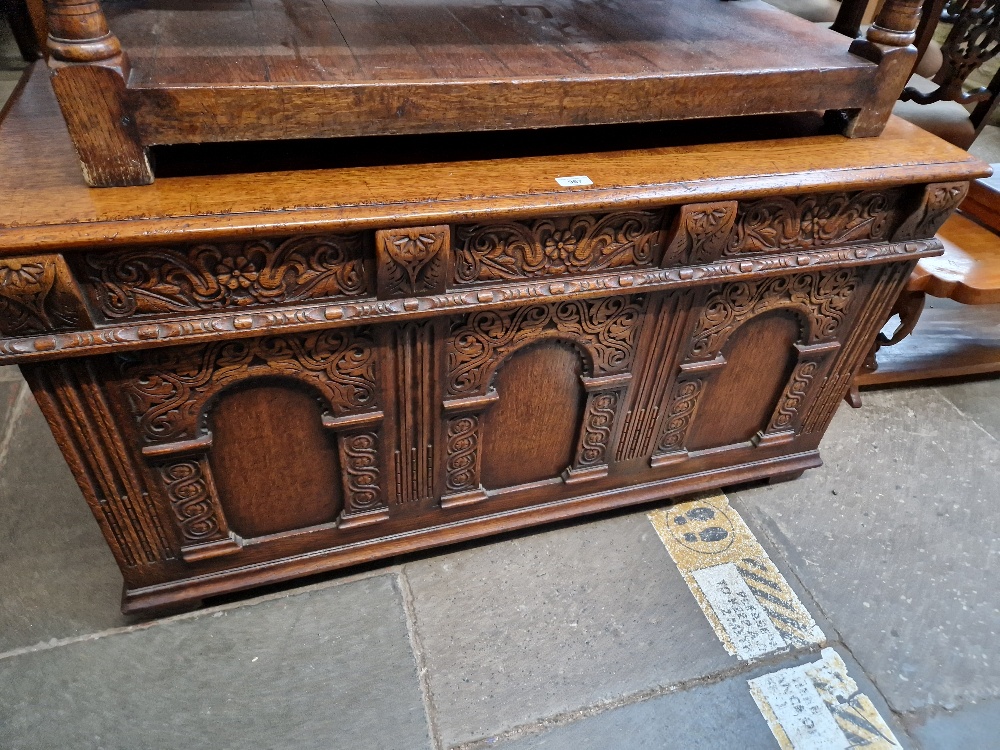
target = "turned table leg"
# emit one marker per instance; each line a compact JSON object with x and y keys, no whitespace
{"x":889,"y":43}
{"x":89,"y":71}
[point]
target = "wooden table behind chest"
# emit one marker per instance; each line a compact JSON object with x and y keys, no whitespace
{"x":246,"y":403}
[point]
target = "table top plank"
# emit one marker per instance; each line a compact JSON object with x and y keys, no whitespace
{"x":46,"y":205}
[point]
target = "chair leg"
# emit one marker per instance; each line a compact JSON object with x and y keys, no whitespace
{"x":909,"y":305}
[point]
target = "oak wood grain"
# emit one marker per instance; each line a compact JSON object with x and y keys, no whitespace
{"x":49,"y":205}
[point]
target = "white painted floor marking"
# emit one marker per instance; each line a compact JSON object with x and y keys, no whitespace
{"x":745,"y":598}
{"x":817,"y":706}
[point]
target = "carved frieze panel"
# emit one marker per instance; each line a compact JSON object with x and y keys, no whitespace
{"x":823,"y":297}
{"x":37,"y":295}
{"x":412,"y":260}
{"x":936,"y":204}
{"x":169,"y":389}
{"x":515,"y":251}
{"x":812,"y":221}
{"x":605,"y":329}
{"x":224,"y":276}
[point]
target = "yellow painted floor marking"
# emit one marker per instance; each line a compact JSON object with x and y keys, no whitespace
{"x":747,"y":601}
{"x":817,"y":706}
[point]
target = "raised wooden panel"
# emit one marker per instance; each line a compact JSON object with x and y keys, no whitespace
{"x":739,"y":401}
{"x":265,"y":490}
{"x":530,"y":434}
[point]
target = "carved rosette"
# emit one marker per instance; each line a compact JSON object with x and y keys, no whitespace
{"x":38,"y":294}
{"x":549,"y":247}
{"x":412,"y":261}
{"x":235,"y":275}
{"x":700,"y":233}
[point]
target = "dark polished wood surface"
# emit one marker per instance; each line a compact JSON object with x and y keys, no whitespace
{"x":265,"y":375}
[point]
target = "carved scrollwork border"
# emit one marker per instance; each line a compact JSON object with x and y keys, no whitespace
{"x":170,"y":389}
{"x":604,"y":329}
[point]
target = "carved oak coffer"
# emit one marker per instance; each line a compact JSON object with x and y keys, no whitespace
{"x":255,"y":377}
{"x":238,"y":412}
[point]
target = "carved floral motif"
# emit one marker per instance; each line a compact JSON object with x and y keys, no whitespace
{"x":606,"y":328}
{"x":937,"y":203}
{"x":781,"y":224}
{"x":37,"y":294}
{"x":701,"y":233}
{"x":169,"y":388}
{"x":413,"y":260}
{"x":231,"y":275}
{"x":566,"y":245}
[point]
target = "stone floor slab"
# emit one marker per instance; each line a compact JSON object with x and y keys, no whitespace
{"x":327,"y":669}
{"x":896,"y":538}
{"x":978,"y":400}
{"x":57,"y":576}
{"x":538,"y":624}
{"x":976,"y":726}
{"x":704,"y":717}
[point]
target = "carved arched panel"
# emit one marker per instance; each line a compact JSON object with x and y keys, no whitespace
{"x":530,"y":433}
{"x":740,"y":399}
{"x":267,"y":490}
